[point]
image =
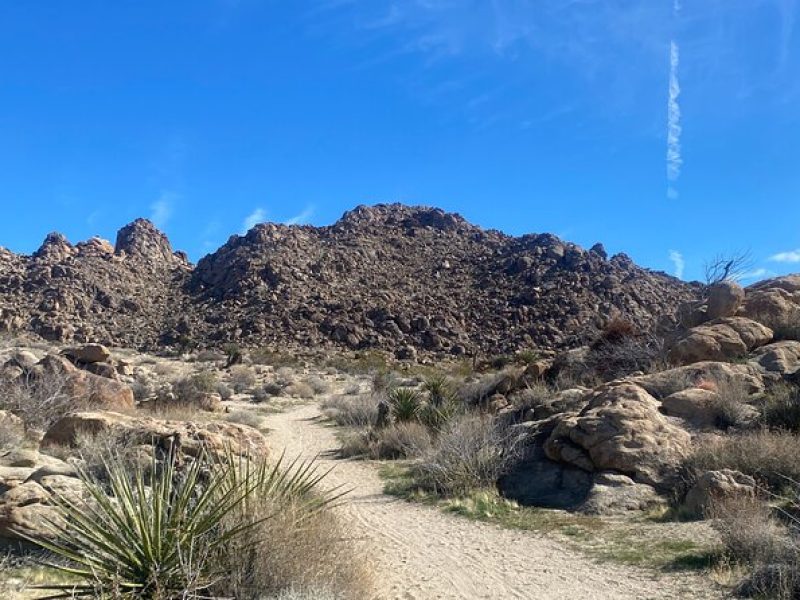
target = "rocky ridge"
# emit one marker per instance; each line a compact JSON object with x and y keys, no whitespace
{"x":390,"y":277}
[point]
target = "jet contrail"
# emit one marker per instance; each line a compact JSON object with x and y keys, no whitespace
{"x":674,"y":160}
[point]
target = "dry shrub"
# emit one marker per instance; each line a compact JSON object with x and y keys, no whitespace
{"x":769,"y":456}
{"x":730,"y":405}
{"x":767,"y":547}
{"x":294,"y":550}
{"x":243,"y":378}
{"x":319,"y":385}
{"x":476,"y":393}
{"x":472,"y":453}
{"x":299,"y":389}
{"x":352,"y":411}
{"x":780,"y":407}
{"x":190,"y":387}
{"x":245,"y":417}
{"x":40,"y":401}
{"x":400,"y":440}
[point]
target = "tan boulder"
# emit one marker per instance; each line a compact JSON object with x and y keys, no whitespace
{"x":714,"y":485}
{"x":695,"y":405}
{"x":218,"y":436}
{"x":620,"y":429}
{"x":773,"y":306}
{"x":720,"y":340}
{"x":724,"y":299}
{"x":666,"y":383}
{"x":88,"y":353}
{"x":789,"y":283}
{"x":780,"y":357}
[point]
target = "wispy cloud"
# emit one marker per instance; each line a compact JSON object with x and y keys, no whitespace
{"x":162,"y":209}
{"x":674,"y":159}
{"x":259,"y":215}
{"x":790,"y":256}
{"x":302,"y":217}
{"x":678,"y":262}
{"x":759,"y":273}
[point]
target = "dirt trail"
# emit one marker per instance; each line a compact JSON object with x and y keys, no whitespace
{"x":423,"y":553}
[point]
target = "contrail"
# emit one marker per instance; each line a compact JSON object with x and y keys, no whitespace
{"x":674,"y":160}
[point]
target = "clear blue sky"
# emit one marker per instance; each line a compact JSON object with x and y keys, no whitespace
{"x":667,"y":130}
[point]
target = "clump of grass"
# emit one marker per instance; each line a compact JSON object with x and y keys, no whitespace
{"x":780,"y":407}
{"x":243,"y":378}
{"x":189,"y":388}
{"x":730,"y":405}
{"x":319,"y":385}
{"x":351,"y":411}
{"x":299,"y":389}
{"x":245,"y":417}
{"x":473,"y":452}
{"x":399,"y":440}
{"x":768,"y":456}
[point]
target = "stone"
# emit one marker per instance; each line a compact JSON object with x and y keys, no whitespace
{"x":88,"y":353}
{"x":614,"y":493}
{"x":719,"y":340}
{"x":713,"y":485}
{"x":724,"y":299}
{"x":695,"y":405}
{"x":621,"y":429}
{"x":781,"y":357}
{"x":216,"y":437}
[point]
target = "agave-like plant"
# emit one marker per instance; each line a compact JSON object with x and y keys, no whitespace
{"x":153,"y":533}
{"x":405,"y":404}
{"x":439,"y":390}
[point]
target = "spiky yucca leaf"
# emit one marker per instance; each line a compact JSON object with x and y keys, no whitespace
{"x":154,"y":534}
{"x":405,"y":404}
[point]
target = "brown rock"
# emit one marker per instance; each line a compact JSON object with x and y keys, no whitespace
{"x":88,"y":353}
{"x":714,"y":485}
{"x":719,"y":340}
{"x":724,"y":299}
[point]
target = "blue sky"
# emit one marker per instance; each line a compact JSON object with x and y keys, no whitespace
{"x":668,"y":130}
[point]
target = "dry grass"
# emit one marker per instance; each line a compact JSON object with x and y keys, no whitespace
{"x":293,"y":552}
{"x":780,"y":407}
{"x":243,"y":378}
{"x":245,"y":417}
{"x":352,"y":411}
{"x":730,"y":406}
{"x":769,"y":456}
{"x":400,"y":440}
{"x":319,"y":385}
{"x":471,"y":453}
{"x":299,"y":389}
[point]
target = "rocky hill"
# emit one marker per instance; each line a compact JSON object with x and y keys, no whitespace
{"x":403,"y":279}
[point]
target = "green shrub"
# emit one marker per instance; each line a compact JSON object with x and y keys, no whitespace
{"x":201,"y":382}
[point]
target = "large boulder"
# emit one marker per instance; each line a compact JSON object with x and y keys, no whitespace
{"x":782,"y":358}
{"x":216,"y":437}
{"x":88,"y":354}
{"x":720,"y":340}
{"x":621,"y":429}
{"x":724,"y":299}
{"x":714,"y":485}
{"x":614,"y":493}
{"x":695,"y":405}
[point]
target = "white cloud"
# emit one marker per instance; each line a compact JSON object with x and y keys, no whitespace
{"x":759,"y":273}
{"x":259,"y":215}
{"x":677,"y":260}
{"x":161,"y":210}
{"x":790,"y":256}
{"x":302,"y":217}
{"x":674,"y":160}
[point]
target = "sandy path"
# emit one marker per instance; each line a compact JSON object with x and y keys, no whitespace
{"x":423,"y":553}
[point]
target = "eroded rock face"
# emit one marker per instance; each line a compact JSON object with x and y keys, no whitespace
{"x":218,"y":436}
{"x":720,"y":340}
{"x":621,"y":429}
{"x":782,"y":358}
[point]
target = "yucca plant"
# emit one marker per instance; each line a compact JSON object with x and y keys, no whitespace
{"x":439,"y":390}
{"x":153,"y":534}
{"x":405,"y":404}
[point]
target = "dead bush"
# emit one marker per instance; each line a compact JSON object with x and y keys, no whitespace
{"x":769,"y":456}
{"x":352,"y":411}
{"x":243,"y":378}
{"x":189,"y":388}
{"x":780,"y":407}
{"x":319,"y":385}
{"x":731,"y":406}
{"x":299,"y":389}
{"x":40,"y":401}
{"x":472,"y":453}
{"x":293,"y":548}
{"x":245,"y":417}
{"x":400,"y":440}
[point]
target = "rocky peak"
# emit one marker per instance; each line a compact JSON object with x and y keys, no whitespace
{"x":55,"y":246}
{"x":143,"y":239}
{"x":400,"y":215}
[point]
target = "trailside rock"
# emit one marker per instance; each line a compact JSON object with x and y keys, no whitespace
{"x":88,"y":353}
{"x":217,"y":437}
{"x":713,"y":485}
{"x":614,"y":493}
{"x":621,"y":429}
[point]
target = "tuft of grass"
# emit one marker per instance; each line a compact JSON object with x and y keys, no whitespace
{"x":351,"y":411}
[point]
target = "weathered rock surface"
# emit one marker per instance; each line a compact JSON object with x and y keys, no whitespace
{"x":620,"y":429}
{"x":719,"y":340}
{"x":714,"y":485}
{"x":218,"y":436}
{"x":390,"y":277}
{"x":724,"y":299}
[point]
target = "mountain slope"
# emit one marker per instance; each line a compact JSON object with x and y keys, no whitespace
{"x":388,"y":276}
